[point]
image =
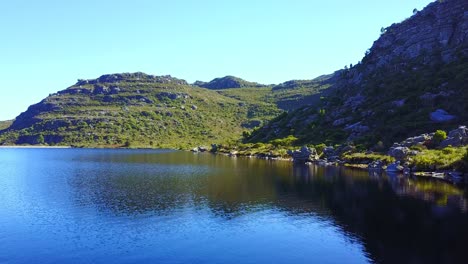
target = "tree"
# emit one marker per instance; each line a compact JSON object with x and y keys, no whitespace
{"x":40,"y":139}
{"x":439,"y":136}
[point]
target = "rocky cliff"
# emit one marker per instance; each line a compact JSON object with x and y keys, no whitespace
{"x":413,"y":79}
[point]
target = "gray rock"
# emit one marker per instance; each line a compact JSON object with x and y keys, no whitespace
{"x":100,"y":89}
{"x":395,"y":167}
{"x":457,"y":137}
{"x":441,"y":115}
{"x":341,"y":121}
{"x":304,"y":155}
{"x":194,"y":107}
{"x":399,"y":153}
{"x":413,"y":141}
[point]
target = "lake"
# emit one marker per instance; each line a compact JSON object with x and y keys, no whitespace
{"x":163,"y":206}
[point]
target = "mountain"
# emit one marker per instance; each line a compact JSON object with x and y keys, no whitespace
{"x":413,"y":79}
{"x":227,"y":82}
{"x":134,"y":109}
{"x":141,"y":110}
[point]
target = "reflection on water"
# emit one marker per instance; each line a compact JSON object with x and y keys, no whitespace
{"x":165,"y":206}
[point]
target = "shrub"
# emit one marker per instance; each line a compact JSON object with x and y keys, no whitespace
{"x":287,"y":141}
{"x":439,"y":136}
{"x":320,"y":147}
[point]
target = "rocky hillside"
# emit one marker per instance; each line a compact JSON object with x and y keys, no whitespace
{"x":413,"y":79}
{"x":140,"y":110}
{"x":134,"y":109}
{"x":227,"y":82}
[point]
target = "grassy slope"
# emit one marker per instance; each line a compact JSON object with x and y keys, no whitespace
{"x":140,"y":115}
{"x":5,"y":124}
{"x":314,"y":124}
{"x":87,"y":120}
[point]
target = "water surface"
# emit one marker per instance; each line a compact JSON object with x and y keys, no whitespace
{"x":160,"y":206}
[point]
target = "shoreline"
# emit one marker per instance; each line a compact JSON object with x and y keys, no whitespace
{"x":35,"y":147}
{"x":425,"y":174}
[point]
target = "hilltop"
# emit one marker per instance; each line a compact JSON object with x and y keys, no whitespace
{"x":227,"y":82}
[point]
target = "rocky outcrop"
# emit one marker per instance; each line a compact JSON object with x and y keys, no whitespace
{"x":455,"y":138}
{"x":226,"y":83}
{"x":441,"y":26}
{"x":399,"y":153}
{"x":132,"y":77}
{"x":171,"y":95}
{"x":304,"y":155}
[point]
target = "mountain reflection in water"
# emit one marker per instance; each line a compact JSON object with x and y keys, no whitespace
{"x":396,"y":219}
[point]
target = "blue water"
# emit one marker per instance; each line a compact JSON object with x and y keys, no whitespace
{"x":161,"y":206}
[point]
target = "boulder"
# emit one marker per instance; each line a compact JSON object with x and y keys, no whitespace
{"x":457,"y":137}
{"x":399,"y":153}
{"x":395,"y":167}
{"x":329,"y":152}
{"x":441,"y":116}
{"x":418,"y":140}
{"x":304,"y":155}
{"x":214,"y":148}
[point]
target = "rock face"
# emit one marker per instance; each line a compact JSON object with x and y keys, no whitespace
{"x":442,"y":26}
{"x":411,"y":80}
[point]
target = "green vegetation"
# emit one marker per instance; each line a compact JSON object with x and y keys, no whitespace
{"x":284,"y":142}
{"x":143,"y":111}
{"x":439,"y":136}
{"x":5,"y":124}
{"x":364,"y":158}
{"x":390,"y":104}
{"x":442,"y":159}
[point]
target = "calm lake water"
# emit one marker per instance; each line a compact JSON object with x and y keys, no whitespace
{"x":158,"y":206}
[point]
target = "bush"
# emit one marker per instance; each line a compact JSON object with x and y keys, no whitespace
{"x":288,"y":141}
{"x":439,"y":136}
{"x":320,"y":147}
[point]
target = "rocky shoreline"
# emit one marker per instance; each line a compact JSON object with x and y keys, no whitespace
{"x":401,"y":158}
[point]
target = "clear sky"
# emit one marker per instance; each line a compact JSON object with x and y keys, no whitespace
{"x":47,"y":45}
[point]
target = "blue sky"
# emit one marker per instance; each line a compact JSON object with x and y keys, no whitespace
{"x":47,"y":45}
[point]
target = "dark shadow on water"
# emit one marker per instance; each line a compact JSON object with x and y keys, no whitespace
{"x":398,"y":219}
